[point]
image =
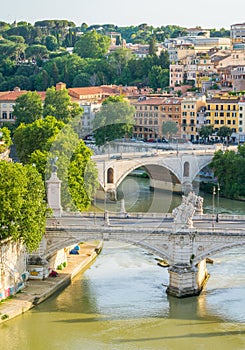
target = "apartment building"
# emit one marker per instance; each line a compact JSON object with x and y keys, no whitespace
{"x":152,"y":112}
{"x":238,"y":78}
{"x":7,"y":102}
{"x":148,"y":118}
{"x":176,"y":74}
{"x":241,"y":121}
{"x":190,"y":107}
{"x":237,"y":35}
{"x":223,"y":110}
{"x":171,"y":111}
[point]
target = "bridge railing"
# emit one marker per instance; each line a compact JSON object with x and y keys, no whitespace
{"x":203,"y":217}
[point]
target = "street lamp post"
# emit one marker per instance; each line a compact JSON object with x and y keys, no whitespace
{"x":214,"y":193}
{"x":217,"y":216}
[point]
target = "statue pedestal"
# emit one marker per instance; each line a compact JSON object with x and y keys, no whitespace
{"x":53,"y":194}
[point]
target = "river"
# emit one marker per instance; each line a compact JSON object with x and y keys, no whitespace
{"x":120,"y":302}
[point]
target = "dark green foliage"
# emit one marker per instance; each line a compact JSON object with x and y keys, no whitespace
{"x":229,"y":168}
{"x":92,"y":45}
{"x":114,"y":120}
{"x":58,"y":104}
{"x":22,"y":206}
{"x":28,"y":108}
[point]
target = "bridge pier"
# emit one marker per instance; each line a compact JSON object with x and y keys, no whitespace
{"x":187,"y":187}
{"x":186,"y":280}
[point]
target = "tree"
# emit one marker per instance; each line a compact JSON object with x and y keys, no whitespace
{"x":92,"y":45}
{"x":229,"y":168}
{"x":152,"y":46}
{"x":82,"y":177}
{"x":37,"y":52}
{"x":169,"y":128}
{"x":5,"y":139}
{"x":58,"y":104}
{"x":38,"y":135}
{"x":119,"y":59}
{"x":28,"y":108}
{"x":51,"y":43}
{"x":224,"y":132}
{"x":206,"y":131}
{"x":22,"y":206}
{"x":114,"y":120}
{"x":158,"y":77}
{"x":45,"y":139}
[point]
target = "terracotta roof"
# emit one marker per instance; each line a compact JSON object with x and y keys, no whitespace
{"x":223,"y":100}
{"x":92,"y":90}
{"x":151,"y":101}
{"x":13,"y":95}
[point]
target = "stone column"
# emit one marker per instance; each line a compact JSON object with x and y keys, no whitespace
{"x":53,"y":194}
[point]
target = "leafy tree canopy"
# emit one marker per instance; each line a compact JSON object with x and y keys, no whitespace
{"x":229,"y":168}
{"x":92,"y":45}
{"x":5,"y":138}
{"x":58,"y":104}
{"x":114,"y":120}
{"x":22,"y":206}
{"x":38,"y":135}
{"x":28,"y":108}
{"x":206,"y":131}
{"x":169,"y":128}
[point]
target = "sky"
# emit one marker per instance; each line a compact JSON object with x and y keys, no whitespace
{"x":186,"y":13}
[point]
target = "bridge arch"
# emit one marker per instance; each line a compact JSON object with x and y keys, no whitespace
{"x":216,"y":250}
{"x":155,"y":171}
{"x":203,"y":165}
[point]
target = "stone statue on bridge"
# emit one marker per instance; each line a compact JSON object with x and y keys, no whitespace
{"x":183,"y":214}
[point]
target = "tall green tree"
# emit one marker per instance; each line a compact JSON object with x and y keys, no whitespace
{"x":82,"y":177}
{"x":5,"y":138}
{"x":114,"y":120}
{"x":22,"y":206}
{"x":38,"y":135}
{"x":92,"y":45}
{"x":58,"y":104}
{"x":152,"y":46}
{"x":224,"y":132}
{"x":28,"y":108}
{"x":229,"y":168}
{"x":51,"y":43}
{"x":169,"y":128}
{"x":206,"y":131}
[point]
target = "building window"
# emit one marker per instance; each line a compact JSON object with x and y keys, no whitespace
{"x":4,"y":115}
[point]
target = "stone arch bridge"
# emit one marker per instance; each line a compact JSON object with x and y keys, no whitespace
{"x":169,"y":170}
{"x":185,"y":249}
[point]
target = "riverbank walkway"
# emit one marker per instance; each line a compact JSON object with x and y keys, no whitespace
{"x":37,"y":291}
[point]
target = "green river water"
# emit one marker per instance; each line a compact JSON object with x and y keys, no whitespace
{"x":120,"y":302}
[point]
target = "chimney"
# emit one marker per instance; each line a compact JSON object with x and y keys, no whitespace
{"x":60,"y":86}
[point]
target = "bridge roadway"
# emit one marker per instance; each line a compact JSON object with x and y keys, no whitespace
{"x":185,"y":247}
{"x":149,"y":230}
{"x":173,"y":170}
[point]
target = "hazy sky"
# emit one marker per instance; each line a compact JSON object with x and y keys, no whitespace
{"x":186,"y":13}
